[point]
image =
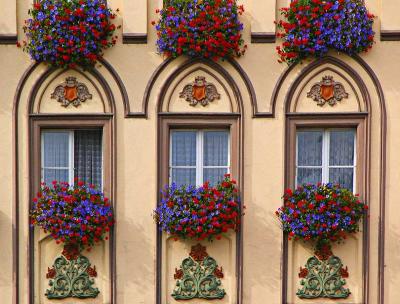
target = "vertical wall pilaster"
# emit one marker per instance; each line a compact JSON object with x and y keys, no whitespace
{"x":8,"y":22}
{"x":262,"y":22}
{"x":135,"y":23}
{"x":390,"y":21}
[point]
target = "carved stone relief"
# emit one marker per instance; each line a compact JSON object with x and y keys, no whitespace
{"x":200,"y":91}
{"x":71,"y":92}
{"x":198,"y":277}
{"x":323,"y":277}
{"x":71,"y":276}
{"x":327,"y":91}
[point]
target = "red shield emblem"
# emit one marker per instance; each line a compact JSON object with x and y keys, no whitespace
{"x":71,"y":93}
{"x":327,"y":92}
{"x":199,"y":92}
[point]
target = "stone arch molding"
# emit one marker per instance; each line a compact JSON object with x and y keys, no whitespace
{"x":31,"y":103}
{"x":357,"y":78}
{"x":101,"y":87}
{"x":366,"y":100}
{"x":236,"y":93}
{"x":45,"y":100}
{"x":108,"y":91}
{"x":353,"y":99}
{"x":179,"y":95}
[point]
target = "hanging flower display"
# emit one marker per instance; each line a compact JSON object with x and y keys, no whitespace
{"x":67,"y":33}
{"x":78,"y":215}
{"x":200,"y":28}
{"x":312,"y":27}
{"x":200,"y":213}
{"x":322,"y":213}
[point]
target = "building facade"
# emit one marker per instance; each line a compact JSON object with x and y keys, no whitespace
{"x":134,"y":132}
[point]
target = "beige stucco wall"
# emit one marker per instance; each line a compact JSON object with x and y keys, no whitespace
{"x":390,"y":19}
{"x":8,"y":23}
{"x":264,"y":150}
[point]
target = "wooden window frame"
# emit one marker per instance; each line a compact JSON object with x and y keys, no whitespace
{"x":217,"y":123}
{"x":357,"y":122}
{"x":64,"y":124}
{"x":325,"y":166}
{"x":71,"y":146}
{"x":199,"y":166}
{"x":213,"y":121}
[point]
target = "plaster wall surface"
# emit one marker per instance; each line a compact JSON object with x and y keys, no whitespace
{"x":264,"y":148}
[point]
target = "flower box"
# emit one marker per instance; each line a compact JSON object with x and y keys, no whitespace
{"x":67,"y":33}
{"x":199,"y":213}
{"x":200,"y":28}
{"x":322,"y":213}
{"x":72,"y":215}
{"x":311,"y":27}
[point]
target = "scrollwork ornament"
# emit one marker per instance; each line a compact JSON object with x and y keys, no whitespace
{"x":198,"y":277}
{"x":323,"y":278}
{"x":71,"y":278}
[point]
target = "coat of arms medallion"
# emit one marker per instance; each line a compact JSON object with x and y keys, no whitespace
{"x":71,"y":92}
{"x":200,"y":91}
{"x":327,"y":91}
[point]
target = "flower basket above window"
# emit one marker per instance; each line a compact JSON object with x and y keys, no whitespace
{"x":311,"y":27}
{"x":206,"y":212}
{"x":67,"y":33}
{"x":200,"y":28}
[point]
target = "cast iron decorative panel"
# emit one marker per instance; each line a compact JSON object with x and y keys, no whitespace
{"x":322,"y":277}
{"x":327,"y":91}
{"x":71,"y":92}
{"x":71,"y":278}
{"x":200,"y":91}
{"x":198,"y":277}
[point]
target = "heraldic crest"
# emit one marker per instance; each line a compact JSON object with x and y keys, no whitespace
{"x":71,"y":92}
{"x":327,"y":91}
{"x":200,"y":91}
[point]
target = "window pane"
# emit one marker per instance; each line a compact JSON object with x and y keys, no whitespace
{"x":183,"y":148}
{"x":342,"y":176}
{"x":60,"y":175}
{"x":216,"y":148}
{"x":55,"y":149}
{"x":214,"y":175}
{"x":183,"y":176}
{"x":341,"y":148}
{"x":309,"y":148}
{"x":308,"y":176}
{"x":88,"y":156}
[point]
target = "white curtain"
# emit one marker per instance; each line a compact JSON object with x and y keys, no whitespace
{"x":309,"y":154}
{"x":86,"y":147}
{"x":183,"y":157}
{"x":341,"y":154}
{"x":339,"y":163}
{"x":56,"y":158}
{"x":88,"y":156}
{"x":216,"y":155}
